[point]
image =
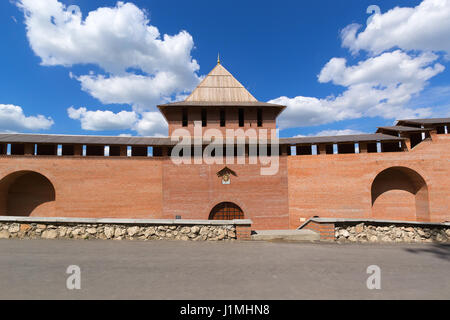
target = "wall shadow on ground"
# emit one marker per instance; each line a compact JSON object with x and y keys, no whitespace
{"x":439,"y":250}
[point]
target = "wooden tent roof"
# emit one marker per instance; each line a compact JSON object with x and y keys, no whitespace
{"x":220,"y":86}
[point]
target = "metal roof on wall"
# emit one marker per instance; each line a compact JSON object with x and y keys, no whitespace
{"x":374,"y":137}
{"x":79,"y":139}
{"x":404,"y":129}
{"x":426,"y":121}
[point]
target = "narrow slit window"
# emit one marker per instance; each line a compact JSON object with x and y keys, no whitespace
{"x":260,"y":118}
{"x":241,"y":117}
{"x":185,"y":118}
{"x":222,"y":118}
{"x":204,"y":119}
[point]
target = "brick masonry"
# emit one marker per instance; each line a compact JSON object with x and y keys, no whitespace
{"x":192,"y":191}
{"x":325,"y":230}
{"x":243,"y":232}
{"x":339,"y":186}
{"x":92,"y":187}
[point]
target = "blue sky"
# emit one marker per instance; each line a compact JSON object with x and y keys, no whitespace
{"x":284,"y":51}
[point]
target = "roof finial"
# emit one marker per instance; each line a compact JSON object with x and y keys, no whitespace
{"x":218,"y":58}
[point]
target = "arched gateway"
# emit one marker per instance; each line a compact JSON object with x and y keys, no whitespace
{"x":22,"y":192}
{"x":400,"y":193}
{"x":226,"y":211}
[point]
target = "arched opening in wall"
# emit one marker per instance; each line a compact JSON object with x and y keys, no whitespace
{"x":226,"y":211}
{"x":26,"y":193}
{"x":400,"y":193}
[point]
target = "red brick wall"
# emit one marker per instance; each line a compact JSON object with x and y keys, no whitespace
{"x":94,"y":187}
{"x":397,"y":204}
{"x":29,"y":192}
{"x":174,"y":116}
{"x":192,"y":191}
{"x":339,"y":186}
{"x":137,"y":188}
{"x":243,"y":232}
{"x":325,"y":230}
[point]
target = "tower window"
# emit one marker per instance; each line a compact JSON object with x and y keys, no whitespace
{"x":204,"y":121}
{"x":260,"y":118}
{"x":222,"y":118}
{"x":241,"y":117}
{"x":185,"y":118}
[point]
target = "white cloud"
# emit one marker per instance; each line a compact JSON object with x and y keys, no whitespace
{"x":379,"y":86}
{"x":103,"y":120}
{"x":425,"y":28}
{"x":115,"y":38}
{"x":384,"y":70}
{"x":147,"y":123}
{"x":13,"y":119}
{"x":141,"y":67}
{"x":388,"y":83}
{"x":151,"y":123}
{"x":343,"y":132}
{"x":141,"y":91}
{"x":327,"y":133}
{"x":437,"y":97}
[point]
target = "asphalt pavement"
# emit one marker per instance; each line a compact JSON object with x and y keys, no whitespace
{"x":37,"y":269}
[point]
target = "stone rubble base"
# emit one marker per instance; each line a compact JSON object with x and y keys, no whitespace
{"x":117,"y":232}
{"x":364,"y":232}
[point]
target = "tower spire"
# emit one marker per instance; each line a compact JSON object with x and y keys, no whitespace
{"x":218,"y":58}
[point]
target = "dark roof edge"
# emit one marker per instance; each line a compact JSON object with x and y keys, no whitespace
{"x":403,"y":129}
{"x":426,"y":121}
{"x":372,"y":137}
{"x":166,"y":141}
{"x":82,"y":139}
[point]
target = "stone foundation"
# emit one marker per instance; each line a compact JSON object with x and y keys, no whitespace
{"x":117,"y":231}
{"x":370,"y":232}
